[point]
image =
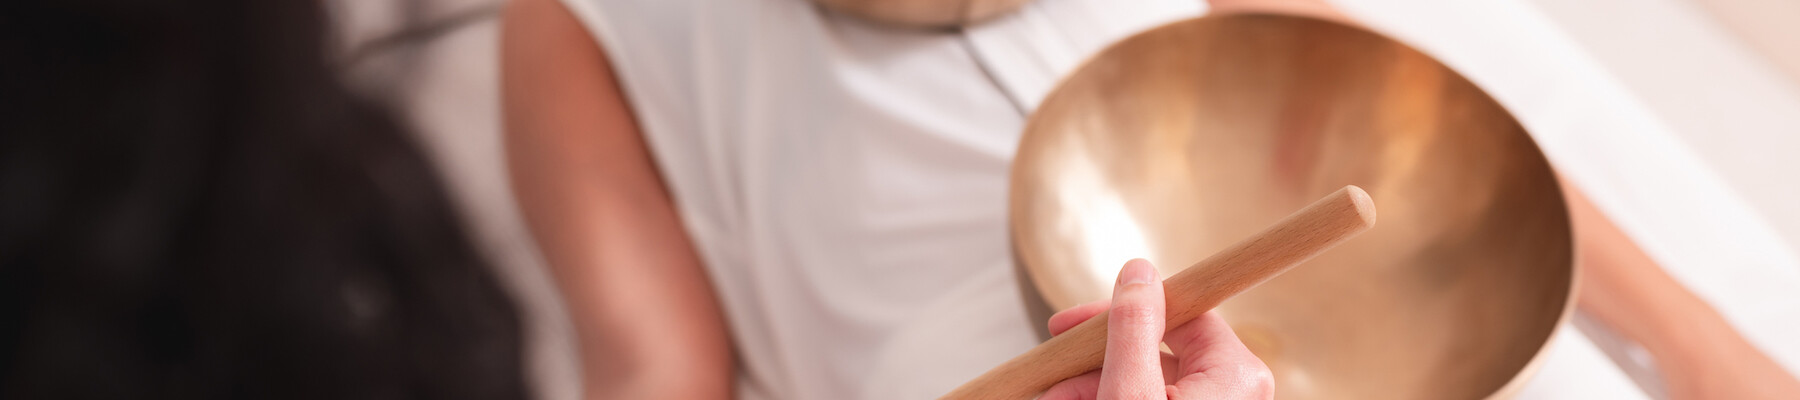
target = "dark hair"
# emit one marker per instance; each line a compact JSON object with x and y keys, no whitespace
{"x":192,"y":206}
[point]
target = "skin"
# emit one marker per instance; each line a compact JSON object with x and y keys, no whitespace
{"x":1699,"y":354}
{"x":649,"y":325}
{"x":1206,"y":359}
{"x":646,"y":319}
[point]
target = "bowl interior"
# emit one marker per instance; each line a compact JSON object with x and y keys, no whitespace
{"x":1177,"y":142}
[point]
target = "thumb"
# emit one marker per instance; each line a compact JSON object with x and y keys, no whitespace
{"x":1134,"y":325}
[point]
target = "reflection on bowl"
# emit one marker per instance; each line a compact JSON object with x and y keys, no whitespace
{"x":1179,"y":141}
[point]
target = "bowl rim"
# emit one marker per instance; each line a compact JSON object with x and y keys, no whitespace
{"x":1507,"y":390}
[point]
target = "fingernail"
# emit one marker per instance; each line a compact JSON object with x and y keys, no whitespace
{"x":1137,"y":271}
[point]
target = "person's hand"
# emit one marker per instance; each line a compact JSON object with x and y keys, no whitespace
{"x":1208,"y":361}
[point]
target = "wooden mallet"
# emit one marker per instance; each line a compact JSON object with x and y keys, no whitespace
{"x":1299,"y":237}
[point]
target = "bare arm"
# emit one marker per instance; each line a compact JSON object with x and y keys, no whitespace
{"x":1698,"y":352}
{"x":646,"y":319}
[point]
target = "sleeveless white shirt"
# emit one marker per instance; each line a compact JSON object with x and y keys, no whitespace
{"x":845,"y":182}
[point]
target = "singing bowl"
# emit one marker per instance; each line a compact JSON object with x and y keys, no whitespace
{"x":1175,"y":143}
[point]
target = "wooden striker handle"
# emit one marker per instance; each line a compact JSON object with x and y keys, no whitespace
{"x":1306,"y":233}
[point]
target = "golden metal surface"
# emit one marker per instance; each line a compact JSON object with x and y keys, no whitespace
{"x":1181,"y":140}
{"x":924,"y":13}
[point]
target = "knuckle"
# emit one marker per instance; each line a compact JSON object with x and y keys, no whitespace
{"x":1255,"y":380}
{"x":1264,"y":386}
{"x":1136,"y":314}
{"x":1060,"y":392}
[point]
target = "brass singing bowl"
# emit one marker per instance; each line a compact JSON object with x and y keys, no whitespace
{"x":1179,"y":141}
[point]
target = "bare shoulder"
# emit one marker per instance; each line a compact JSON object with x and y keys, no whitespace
{"x":550,"y":64}
{"x":601,"y":216}
{"x":559,"y":93}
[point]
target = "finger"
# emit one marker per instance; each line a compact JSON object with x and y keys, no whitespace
{"x":1081,"y":387}
{"x":1065,"y":319}
{"x":1134,"y":324}
{"x":1171,"y":368}
{"x":1214,"y":363}
{"x":1205,"y":342}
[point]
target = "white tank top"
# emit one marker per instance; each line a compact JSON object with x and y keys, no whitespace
{"x":844,"y":182}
